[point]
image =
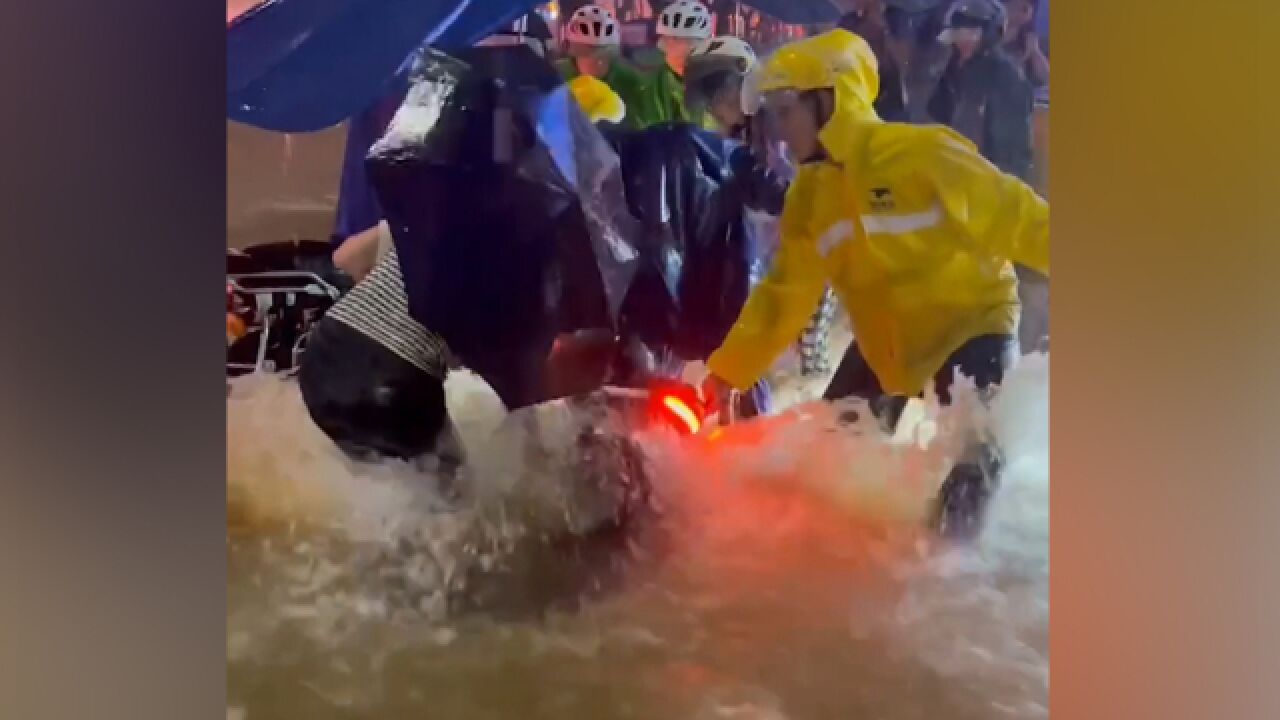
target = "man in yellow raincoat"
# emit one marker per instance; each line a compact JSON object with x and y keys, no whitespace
{"x":916,"y":232}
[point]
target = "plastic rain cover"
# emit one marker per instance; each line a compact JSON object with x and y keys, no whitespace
{"x":691,"y":191}
{"x":506,"y":206}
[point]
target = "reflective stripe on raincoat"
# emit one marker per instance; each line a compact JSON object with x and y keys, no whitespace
{"x":914,"y":230}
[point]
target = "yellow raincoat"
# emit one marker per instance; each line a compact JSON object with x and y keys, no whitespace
{"x":911,"y":226}
{"x":597,"y":100}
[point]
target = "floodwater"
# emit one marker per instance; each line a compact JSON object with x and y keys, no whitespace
{"x":783,"y":575}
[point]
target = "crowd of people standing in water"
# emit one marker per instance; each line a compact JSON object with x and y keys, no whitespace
{"x":886,"y":166}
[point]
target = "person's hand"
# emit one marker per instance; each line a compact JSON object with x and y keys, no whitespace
{"x":716,"y":393}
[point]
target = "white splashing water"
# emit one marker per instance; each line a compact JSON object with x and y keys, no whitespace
{"x":797,"y":576}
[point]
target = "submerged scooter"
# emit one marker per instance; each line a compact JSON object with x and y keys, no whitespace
{"x":618,"y":388}
{"x":616,"y":392}
{"x":275,"y":295}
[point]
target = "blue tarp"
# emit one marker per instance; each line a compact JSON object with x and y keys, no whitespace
{"x":305,"y":65}
{"x":358,"y":208}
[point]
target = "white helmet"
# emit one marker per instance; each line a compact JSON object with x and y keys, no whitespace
{"x":713,"y":66}
{"x":728,"y":47}
{"x":688,"y":19}
{"x":592,"y":25}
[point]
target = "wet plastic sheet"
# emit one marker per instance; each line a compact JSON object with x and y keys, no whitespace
{"x":506,"y":208}
{"x":517,"y":220}
{"x":690,"y":192}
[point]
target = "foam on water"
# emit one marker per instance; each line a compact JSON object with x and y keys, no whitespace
{"x":797,"y":577}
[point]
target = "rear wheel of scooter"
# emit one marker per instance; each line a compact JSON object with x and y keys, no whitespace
{"x":613,"y":467}
{"x":963,"y":500}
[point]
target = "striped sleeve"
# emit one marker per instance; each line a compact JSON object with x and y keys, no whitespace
{"x":378,"y":308}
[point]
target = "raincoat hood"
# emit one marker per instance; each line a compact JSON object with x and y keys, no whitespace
{"x":857,"y":85}
{"x":836,"y":59}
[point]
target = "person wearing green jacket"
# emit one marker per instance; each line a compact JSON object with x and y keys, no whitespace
{"x":593,"y":39}
{"x":681,"y":26}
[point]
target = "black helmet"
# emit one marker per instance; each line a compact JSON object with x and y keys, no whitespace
{"x":529,"y":29}
{"x":531,"y":25}
{"x":986,"y":15}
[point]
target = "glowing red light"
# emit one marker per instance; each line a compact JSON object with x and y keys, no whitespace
{"x":681,"y":411}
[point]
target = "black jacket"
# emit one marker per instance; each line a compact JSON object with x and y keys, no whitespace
{"x":989,"y":101}
{"x":891,"y":103}
{"x":690,"y":190}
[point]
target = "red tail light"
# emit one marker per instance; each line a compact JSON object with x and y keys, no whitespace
{"x":684,"y":414}
{"x":678,"y":405}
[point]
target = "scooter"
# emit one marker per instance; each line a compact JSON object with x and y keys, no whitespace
{"x":615,"y":390}
{"x":626,"y":388}
{"x":270,"y":313}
